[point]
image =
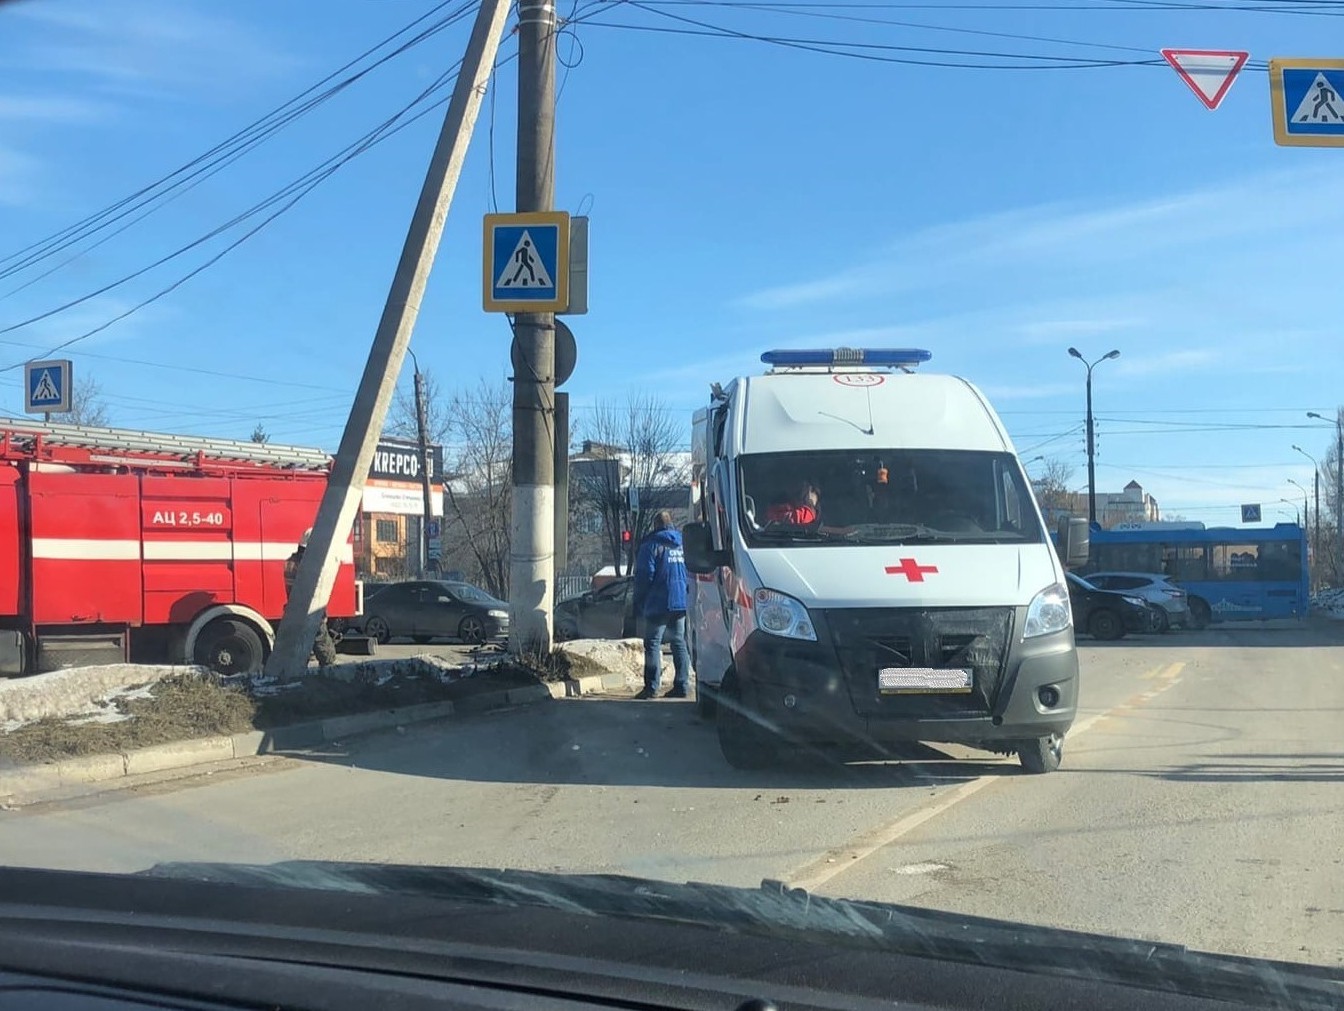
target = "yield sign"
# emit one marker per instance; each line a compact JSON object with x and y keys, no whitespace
{"x":1209,"y":72}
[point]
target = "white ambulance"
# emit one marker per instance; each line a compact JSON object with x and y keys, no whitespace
{"x":869,"y":567}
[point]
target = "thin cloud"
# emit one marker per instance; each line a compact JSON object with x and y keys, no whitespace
{"x":18,"y":178}
{"x":1166,"y":362}
{"x":15,"y":108}
{"x":1041,"y":242}
{"x":145,"y":46}
{"x":1056,"y":330}
{"x":1029,"y":391}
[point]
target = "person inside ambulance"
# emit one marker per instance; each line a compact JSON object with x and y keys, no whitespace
{"x":797,"y":508}
{"x":324,"y":646}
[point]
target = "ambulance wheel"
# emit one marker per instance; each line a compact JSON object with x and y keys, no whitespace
{"x":1041,"y":755}
{"x":706,"y":705}
{"x":744,"y":742}
{"x":230,"y":646}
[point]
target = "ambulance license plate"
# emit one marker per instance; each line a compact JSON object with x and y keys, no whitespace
{"x":923,"y":680}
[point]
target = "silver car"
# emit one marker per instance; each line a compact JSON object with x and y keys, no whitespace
{"x":1170,"y":604}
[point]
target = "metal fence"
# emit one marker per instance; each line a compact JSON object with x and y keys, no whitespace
{"x":567,"y":587}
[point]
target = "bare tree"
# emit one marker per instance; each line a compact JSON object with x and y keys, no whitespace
{"x":478,"y":424}
{"x":635,"y":444}
{"x":439,"y":418}
{"x":87,"y":406}
{"x":1331,"y":549}
{"x":1052,"y":489}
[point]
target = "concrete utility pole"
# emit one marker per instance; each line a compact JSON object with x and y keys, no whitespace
{"x":426,"y":475}
{"x":345,"y":485}
{"x":532,"y":537}
{"x":1339,"y":488}
{"x":1091,"y":434}
{"x":561,"y":482}
{"x":1316,"y":493}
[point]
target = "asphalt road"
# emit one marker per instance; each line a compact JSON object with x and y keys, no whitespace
{"x":1199,"y":803}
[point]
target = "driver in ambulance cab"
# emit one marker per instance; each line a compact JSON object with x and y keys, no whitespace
{"x":798,"y":509}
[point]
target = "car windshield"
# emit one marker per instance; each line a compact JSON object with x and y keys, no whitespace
{"x":651,"y":441}
{"x":893,"y":496}
{"x":469,"y":593}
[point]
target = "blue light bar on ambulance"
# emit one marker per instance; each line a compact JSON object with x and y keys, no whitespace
{"x":880,"y":357}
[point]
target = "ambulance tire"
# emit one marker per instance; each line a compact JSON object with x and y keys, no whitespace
{"x":1041,"y":755}
{"x":744,"y":742}
{"x":230,"y":646}
{"x":706,"y":701}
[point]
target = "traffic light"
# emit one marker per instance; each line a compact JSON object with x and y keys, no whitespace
{"x":625,"y":536}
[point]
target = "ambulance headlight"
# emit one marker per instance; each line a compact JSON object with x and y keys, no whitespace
{"x":779,"y":614}
{"x":1049,"y":612}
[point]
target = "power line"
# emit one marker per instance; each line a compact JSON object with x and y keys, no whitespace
{"x":876,"y":52}
{"x":1324,"y":7}
{"x":295,"y":191}
{"x":216,"y":159}
{"x":828,"y":13}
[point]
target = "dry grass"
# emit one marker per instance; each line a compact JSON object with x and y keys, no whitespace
{"x":186,"y":707}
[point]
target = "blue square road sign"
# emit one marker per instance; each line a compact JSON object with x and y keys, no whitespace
{"x":48,"y":387}
{"x":1307,"y":100}
{"x":526,"y":262}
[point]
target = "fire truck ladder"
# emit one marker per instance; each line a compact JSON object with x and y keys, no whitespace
{"x":31,"y":435}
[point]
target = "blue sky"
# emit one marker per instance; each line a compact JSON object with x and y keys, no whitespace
{"x":742,"y":195}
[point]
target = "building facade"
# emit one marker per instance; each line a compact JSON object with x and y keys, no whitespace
{"x":388,"y":529}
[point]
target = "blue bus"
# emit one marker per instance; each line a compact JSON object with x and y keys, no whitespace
{"x":1231,"y":573}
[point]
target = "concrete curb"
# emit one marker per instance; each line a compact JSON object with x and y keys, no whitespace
{"x":20,"y":782}
{"x":594,"y":684}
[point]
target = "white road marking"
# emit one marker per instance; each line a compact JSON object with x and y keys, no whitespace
{"x":835,"y":862}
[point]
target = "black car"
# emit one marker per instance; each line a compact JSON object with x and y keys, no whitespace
{"x":1104,"y":614}
{"x":604,"y":613}
{"x":425,"y":610}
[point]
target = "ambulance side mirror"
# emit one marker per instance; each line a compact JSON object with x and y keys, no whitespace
{"x":1075,"y":542}
{"x":697,"y":540}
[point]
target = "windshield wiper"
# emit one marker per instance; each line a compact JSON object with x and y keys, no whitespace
{"x":916,"y":533}
{"x":897,"y":533}
{"x":791,"y":533}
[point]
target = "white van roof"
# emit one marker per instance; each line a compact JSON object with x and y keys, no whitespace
{"x":856,"y":408}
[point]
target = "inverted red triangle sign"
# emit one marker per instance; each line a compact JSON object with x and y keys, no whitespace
{"x":1208,"y":72}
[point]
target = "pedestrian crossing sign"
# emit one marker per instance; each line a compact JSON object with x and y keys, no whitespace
{"x":48,"y":387}
{"x":1307,"y":98}
{"x":526,"y":262}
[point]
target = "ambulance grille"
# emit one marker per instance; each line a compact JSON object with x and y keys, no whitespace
{"x":869,"y":639}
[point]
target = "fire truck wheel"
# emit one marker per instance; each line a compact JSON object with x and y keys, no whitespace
{"x":230,"y":646}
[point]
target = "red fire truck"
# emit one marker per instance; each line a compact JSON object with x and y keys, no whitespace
{"x":119,"y":545}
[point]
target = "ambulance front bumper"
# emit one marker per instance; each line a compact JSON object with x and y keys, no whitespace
{"x":829,"y":691}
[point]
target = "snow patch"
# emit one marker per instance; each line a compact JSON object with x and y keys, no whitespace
{"x":1329,"y":603}
{"x":79,"y":691}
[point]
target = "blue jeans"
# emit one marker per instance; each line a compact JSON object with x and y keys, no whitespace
{"x":671,"y":627}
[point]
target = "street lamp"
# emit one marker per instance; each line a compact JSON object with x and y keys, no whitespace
{"x":423,"y":552}
{"x":1305,"y":512}
{"x":1091,"y":433}
{"x":1339,"y":487}
{"x":1291,"y":505}
{"x":1316,"y":487}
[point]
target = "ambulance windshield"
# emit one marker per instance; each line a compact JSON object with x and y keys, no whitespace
{"x":894,"y":496}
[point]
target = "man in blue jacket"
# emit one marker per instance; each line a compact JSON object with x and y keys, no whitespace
{"x":660,"y":596}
